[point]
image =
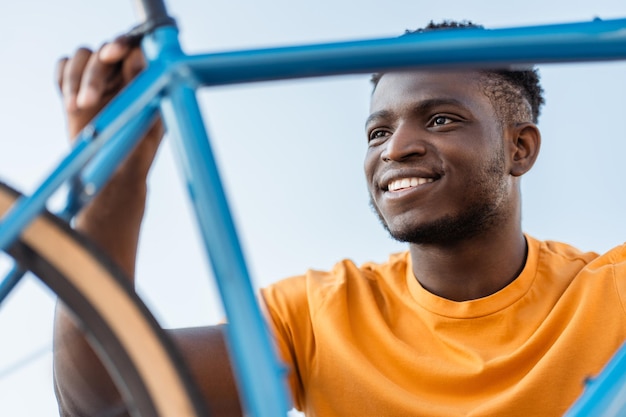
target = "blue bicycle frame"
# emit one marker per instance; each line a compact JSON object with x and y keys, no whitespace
{"x":168,"y":85}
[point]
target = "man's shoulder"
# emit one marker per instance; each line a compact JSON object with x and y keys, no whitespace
{"x":571,"y":252}
{"x":561,"y":249}
{"x":347,"y":269}
{"x":343,"y":273}
{"x":562,"y":259}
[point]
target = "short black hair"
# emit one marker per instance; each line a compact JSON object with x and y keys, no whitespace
{"x":516,"y":94}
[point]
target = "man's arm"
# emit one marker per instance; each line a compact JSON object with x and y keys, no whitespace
{"x":87,"y":81}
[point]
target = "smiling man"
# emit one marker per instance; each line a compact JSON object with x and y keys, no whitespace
{"x":474,"y":319}
{"x":443,"y":169}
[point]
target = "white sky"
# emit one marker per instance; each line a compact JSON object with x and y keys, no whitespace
{"x":291,"y":152}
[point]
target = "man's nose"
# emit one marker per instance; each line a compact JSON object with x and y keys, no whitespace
{"x":404,"y":143}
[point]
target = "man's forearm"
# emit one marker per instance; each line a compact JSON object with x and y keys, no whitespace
{"x":113,"y":221}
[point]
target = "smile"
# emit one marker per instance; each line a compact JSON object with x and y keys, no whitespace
{"x":404,"y":183}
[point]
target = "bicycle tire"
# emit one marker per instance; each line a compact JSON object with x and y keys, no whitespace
{"x":140,"y":357}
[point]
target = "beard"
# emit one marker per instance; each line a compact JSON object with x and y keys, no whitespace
{"x":481,"y":214}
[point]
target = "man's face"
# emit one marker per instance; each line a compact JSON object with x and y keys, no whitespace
{"x":436,"y":165}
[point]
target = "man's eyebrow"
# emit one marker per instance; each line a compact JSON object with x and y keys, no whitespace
{"x":426,"y":105}
{"x":423,"y":106}
{"x":381,"y":114}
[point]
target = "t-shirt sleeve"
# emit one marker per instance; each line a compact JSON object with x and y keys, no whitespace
{"x":287,"y":310}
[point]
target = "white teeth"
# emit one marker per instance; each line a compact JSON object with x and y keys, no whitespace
{"x":403,"y":183}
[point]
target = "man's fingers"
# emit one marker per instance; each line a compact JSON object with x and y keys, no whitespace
{"x":116,"y":62}
{"x":125,"y":50}
{"x":98,"y":79}
{"x":117,"y":50}
{"x":72,"y":77}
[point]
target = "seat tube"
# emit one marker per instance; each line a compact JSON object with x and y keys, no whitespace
{"x":150,"y":11}
{"x":260,"y":376}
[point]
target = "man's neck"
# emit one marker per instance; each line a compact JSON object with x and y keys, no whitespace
{"x":473,"y":268}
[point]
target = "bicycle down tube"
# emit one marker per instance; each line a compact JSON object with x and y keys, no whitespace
{"x":172,"y":78}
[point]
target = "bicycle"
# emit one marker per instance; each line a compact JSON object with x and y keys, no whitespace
{"x":292,"y":56}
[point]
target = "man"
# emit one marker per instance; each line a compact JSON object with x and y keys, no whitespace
{"x":475,"y":319}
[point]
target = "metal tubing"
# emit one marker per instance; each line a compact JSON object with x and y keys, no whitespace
{"x":100,"y":168}
{"x":150,"y":10}
{"x":258,"y":372}
{"x":467,"y":48}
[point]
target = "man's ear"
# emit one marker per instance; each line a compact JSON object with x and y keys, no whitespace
{"x":525,"y":143}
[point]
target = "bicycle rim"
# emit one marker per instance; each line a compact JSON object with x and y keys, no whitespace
{"x":139,"y":356}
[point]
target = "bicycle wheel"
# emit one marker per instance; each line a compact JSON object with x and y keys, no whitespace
{"x":142,"y":360}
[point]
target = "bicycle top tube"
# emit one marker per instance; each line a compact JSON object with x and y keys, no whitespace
{"x":468,"y":48}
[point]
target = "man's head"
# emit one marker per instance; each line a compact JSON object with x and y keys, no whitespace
{"x":446,"y":150}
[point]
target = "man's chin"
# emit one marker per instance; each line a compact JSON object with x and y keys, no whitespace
{"x":445,"y":230}
{"x":423,"y":234}
{"x":448,"y":230}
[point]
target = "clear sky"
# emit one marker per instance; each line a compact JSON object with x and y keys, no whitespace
{"x":291,"y":152}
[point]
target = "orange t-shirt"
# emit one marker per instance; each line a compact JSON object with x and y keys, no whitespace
{"x":370,"y":341}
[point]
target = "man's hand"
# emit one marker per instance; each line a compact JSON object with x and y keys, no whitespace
{"x":88,"y":80}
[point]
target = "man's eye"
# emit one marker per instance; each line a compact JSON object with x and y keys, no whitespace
{"x":375,"y":134}
{"x":441,"y":120}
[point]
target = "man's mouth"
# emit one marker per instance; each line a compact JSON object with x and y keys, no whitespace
{"x":404,"y":183}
